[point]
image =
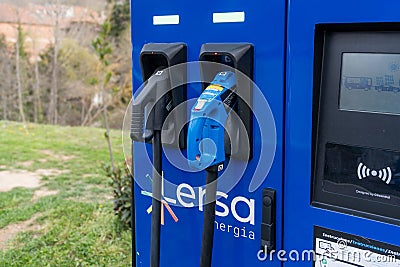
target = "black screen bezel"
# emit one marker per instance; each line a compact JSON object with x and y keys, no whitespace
{"x":354,"y":128}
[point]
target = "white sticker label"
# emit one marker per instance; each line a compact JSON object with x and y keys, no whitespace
{"x":337,"y":249}
{"x":228,"y":17}
{"x":166,"y":20}
{"x":200,"y":104}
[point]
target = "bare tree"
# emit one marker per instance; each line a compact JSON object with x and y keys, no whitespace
{"x":81,"y":32}
{"x":4,"y":69}
{"x":37,"y":101}
{"x":103,"y":50}
{"x":4,"y":98}
{"x":61,"y":83}
{"x":52,"y":112}
{"x":4,"y":101}
{"x":18,"y":48}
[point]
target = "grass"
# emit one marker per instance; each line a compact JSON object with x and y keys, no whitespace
{"x":77,"y":225}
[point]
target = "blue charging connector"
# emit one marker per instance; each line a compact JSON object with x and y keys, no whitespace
{"x":207,"y":121}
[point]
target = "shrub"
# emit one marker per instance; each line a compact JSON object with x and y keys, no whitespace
{"x":121,"y":181}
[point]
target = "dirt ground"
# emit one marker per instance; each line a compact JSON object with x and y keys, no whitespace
{"x":10,"y":179}
{"x":9,"y":232}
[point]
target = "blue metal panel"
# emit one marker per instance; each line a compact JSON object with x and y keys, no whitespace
{"x":264,"y":27}
{"x":300,"y":217}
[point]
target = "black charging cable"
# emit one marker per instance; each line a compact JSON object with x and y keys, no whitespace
{"x":133,"y":213}
{"x":156,"y":202}
{"x":156,"y":205}
{"x":209,"y":216}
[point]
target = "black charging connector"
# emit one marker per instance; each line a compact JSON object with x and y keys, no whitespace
{"x":150,"y":110}
{"x":169,"y":56}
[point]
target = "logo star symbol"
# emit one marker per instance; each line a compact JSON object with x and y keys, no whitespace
{"x":164,"y":203}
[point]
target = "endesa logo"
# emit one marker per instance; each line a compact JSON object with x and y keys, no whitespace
{"x":189,"y":197}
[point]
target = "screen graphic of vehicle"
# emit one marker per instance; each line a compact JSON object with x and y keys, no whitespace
{"x":370,"y":83}
{"x":358,"y":83}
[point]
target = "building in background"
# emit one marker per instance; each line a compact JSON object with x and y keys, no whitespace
{"x":39,"y":23}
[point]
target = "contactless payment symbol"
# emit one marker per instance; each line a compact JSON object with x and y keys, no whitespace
{"x":384,"y":174}
{"x":164,"y":204}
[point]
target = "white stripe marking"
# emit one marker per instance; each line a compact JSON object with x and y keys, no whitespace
{"x":228,"y":17}
{"x":166,"y":20}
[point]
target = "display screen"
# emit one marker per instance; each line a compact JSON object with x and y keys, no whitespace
{"x":370,"y":82}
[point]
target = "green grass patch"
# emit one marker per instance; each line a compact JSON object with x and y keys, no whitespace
{"x":78,"y":226}
{"x":15,"y":197}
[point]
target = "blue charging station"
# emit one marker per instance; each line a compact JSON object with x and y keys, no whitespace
{"x":206,"y":29}
{"x":330,"y":74}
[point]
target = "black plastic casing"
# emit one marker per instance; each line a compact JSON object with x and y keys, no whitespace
{"x":165,"y":55}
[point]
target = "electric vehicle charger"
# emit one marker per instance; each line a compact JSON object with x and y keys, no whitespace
{"x":206,"y":146}
{"x":157,"y":99}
